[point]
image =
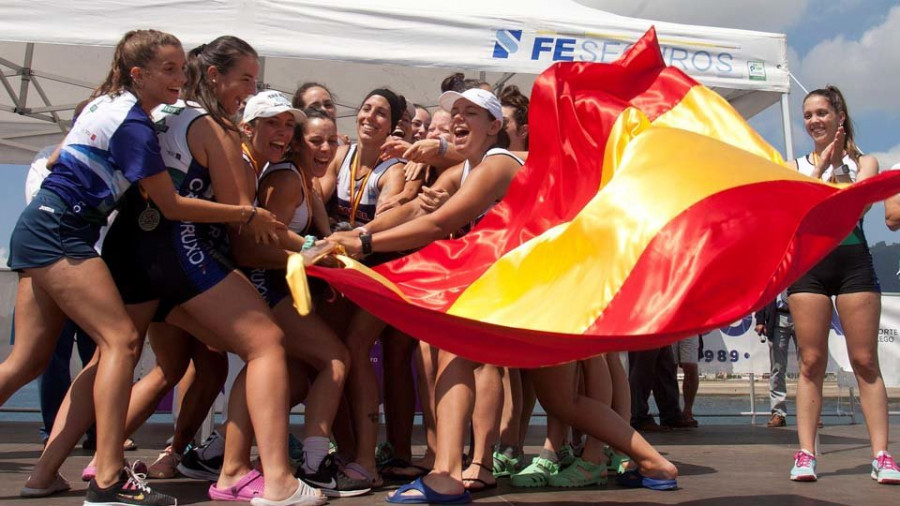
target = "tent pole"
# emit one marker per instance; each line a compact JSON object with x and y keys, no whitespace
{"x":786,"y":125}
{"x":26,"y":77}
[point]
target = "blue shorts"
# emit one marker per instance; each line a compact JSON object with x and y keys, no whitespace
{"x":49,"y":230}
{"x":173,"y":263}
{"x":270,"y":283}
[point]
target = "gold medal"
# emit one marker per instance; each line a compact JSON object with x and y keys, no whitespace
{"x":149,"y":219}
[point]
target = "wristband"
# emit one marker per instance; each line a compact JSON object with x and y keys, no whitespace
{"x":366,"y":240}
{"x":252,"y":215}
{"x":442,"y":149}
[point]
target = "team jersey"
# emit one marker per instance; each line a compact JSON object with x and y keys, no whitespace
{"x":173,"y":121}
{"x":368,"y":185}
{"x":302,"y":219}
{"x":112,"y":145}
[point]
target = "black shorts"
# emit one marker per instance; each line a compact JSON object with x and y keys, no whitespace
{"x":173,"y":263}
{"x":48,"y":230}
{"x":847,"y":269}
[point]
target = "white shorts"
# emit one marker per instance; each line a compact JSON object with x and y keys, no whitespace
{"x":686,"y":350}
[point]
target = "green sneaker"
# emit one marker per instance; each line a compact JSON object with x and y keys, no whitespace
{"x":580,"y":474}
{"x":566,"y":456}
{"x":616,"y":462}
{"x":536,"y":475}
{"x":504,"y":466}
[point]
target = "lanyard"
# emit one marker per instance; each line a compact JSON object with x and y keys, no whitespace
{"x":252,"y":160}
{"x":356,"y":195}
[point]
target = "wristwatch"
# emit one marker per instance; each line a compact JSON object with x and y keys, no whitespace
{"x":842,"y":170}
{"x":366,"y":240}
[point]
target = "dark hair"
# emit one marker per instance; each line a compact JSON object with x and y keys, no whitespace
{"x":836,"y":100}
{"x":510,"y":96}
{"x":420,"y":106}
{"x":136,"y":49}
{"x":503,"y":139}
{"x":397,"y":103}
{"x":222,"y":53}
{"x":311,"y":114}
{"x":457,"y":82}
{"x":297,"y":100}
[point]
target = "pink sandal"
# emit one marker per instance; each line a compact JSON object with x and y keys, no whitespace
{"x":248,"y":487}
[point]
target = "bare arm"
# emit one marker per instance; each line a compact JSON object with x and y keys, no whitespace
{"x":328,"y":182}
{"x":487,"y":184}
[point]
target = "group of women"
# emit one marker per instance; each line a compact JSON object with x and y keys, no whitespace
{"x":215,"y":186}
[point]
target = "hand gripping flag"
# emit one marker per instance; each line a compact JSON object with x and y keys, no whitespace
{"x":648,"y":210}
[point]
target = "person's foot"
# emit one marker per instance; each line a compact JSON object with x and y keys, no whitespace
{"x":129,"y":445}
{"x":804,"y":466}
{"x":166,"y":465}
{"x":478,"y":477}
{"x":776,"y":420}
{"x":579,"y":474}
{"x":332,"y":481}
{"x":131,"y":489}
{"x":304,"y":495}
{"x":885,"y":470}
{"x":650,"y":426}
{"x":58,"y":485}
{"x":205,"y":461}
{"x":504,"y":464}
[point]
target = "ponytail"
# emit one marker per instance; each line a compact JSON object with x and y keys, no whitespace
{"x":137,"y":48}
{"x":222,"y":53}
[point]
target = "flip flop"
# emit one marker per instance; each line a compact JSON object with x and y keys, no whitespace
{"x":482,"y":485}
{"x":634,"y":479}
{"x":429,"y":495}
{"x":59,"y":485}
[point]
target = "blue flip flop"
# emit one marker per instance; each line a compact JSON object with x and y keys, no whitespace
{"x":429,"y":495}
{"x":634,"y":479}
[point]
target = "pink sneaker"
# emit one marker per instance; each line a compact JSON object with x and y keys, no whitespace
{"x":248,"y":487}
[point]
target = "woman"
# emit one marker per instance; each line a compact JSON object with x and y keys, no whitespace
{"x":846,"y":274}
{"x":178,"y":270}
{"x":53,"y":246}
{"x":286,"y":188}
{"x":474,"y":187}
{"x":357,"y":181}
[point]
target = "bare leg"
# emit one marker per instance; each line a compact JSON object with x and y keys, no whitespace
{"x":596,"y":419}
{"x":528,"y":401}
{"x":240,"y":321}
{"x":512,"y":407}
{"x":597,"y":386}
{"x":362,"y":385}
{"x":485,"y":423}
{"x":860,"y":313}
{"x":689,"y":387}
{"x":211,"y":371}
{"x":38,"y":322}
{"x":812,"y":319}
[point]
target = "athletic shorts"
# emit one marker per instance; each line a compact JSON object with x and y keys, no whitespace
{"x":847,"y":269}
{"x":48,"y":230}
{"x":270,"y":283}
{"x":173,"y":263}
{"x":687,"y":350}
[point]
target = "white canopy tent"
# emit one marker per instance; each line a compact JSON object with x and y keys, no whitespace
{"x":53,"y":52}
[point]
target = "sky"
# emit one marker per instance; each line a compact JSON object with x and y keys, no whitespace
{"x":854,"y":44}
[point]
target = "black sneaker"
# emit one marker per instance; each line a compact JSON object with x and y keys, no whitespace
{"x":332,"y":481}
{"x":131,"y":489}
{"x":205,"y":461}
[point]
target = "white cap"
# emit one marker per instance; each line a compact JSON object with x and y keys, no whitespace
{"x":266,"y":104}
{"x":478,"y":96}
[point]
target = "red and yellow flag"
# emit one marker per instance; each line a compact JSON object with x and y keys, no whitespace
{"x":648,"y":210}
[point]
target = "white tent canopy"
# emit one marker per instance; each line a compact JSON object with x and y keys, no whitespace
{"x":52,"y":52}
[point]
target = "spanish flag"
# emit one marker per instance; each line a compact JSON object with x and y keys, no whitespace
{"x":648,"y":210}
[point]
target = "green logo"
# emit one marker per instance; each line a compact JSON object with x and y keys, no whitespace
{"x":757,"y":70}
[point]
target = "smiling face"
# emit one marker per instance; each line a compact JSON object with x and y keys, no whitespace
{"x":317,"y":145}
{"x":420,"y":124}
{"x":517,"y":134}
{"x":820,"y":119}
{"x":440,"y":125}
{"x":472,"y":128}
{"x":318,"y":97}
{"x":269,"y":137}
{"x":233,"y":87}
{"x":161,"y":80}
{"x":373,"y":121}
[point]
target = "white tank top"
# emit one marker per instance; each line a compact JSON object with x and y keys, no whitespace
{"x":467,"y":168}
{"x":172,"y":124}
{"x":806,"y":167}
{"x":302,"y":218}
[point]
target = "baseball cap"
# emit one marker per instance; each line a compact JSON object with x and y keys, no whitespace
{"x":478,"y":96}
{"x":266,"y":104}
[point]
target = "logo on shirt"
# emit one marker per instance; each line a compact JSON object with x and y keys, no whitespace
{"x":47,"y":209}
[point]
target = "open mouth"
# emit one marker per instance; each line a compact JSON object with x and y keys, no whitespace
{"x":460,"y":134}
